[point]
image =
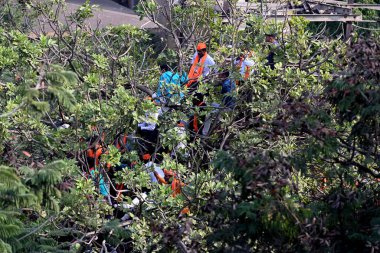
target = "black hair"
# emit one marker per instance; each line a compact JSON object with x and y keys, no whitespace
{"x":165,"y":67}
{"x":226,"y":72}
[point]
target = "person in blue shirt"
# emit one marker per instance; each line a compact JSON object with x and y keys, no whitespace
{"x":228,"y":87}
{"x":169,"y":86}
{"x":271,"y":39}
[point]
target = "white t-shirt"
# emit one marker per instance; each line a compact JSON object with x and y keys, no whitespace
{"x":148,"y":125}
{"x":208,"y":63}
{"x":246,"y":63}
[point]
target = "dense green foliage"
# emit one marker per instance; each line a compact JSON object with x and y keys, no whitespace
{"x":292,"y":168}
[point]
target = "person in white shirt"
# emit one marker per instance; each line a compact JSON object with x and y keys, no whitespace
{"x":245,"y":65}
{"x":209,"y":62}
{"x":200,"y":65}
{"x":148,"y":130}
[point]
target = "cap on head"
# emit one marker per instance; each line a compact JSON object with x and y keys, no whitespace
{"x":201,"y":46}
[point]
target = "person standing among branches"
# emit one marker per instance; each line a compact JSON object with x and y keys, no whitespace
{"x":228,"y":87}
{"x":245,"y":65}
{"x":271,"y":39}
{"x":200,"y":67}
{"x":169,"y":86}
{"x":148,"y":131}
{"x":95,"y":168}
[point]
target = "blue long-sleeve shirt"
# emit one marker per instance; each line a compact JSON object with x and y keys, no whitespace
{"x":169,"y":87}
{"x":102,"y":185}
{"x":228,"y":86}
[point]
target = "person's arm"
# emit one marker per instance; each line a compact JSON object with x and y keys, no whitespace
{"x":159,"y":87}
{"x":209,"y":63}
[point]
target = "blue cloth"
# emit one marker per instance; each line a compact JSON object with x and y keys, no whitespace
{"x":184,"y":78}
{"x":169,"y":86}
{"x":229,"y":101}
{"x":228,"y":86}
{"x":102,"y":185}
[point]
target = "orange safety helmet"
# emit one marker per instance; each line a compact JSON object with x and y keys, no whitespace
{"x":146,"y":157}
{"x":201,"y":46}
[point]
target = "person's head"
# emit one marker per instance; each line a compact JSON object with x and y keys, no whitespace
{"x":224,"y":74}
{"x":201,"y":49}
{"x":164,"y":67}
{"x":270,"y":37}
{"x":240,"y":56}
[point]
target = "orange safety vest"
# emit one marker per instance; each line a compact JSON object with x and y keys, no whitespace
{"x":121,"y":141}
{"x":196,"y":69}
{"x":195,"y":119}
{"x":195,"y":123}
{"x":247,"y":68}
{"x":95,"y":153}
{"x":176,"y":186}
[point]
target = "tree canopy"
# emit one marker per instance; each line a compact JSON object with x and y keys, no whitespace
{"x":292,"y":166}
